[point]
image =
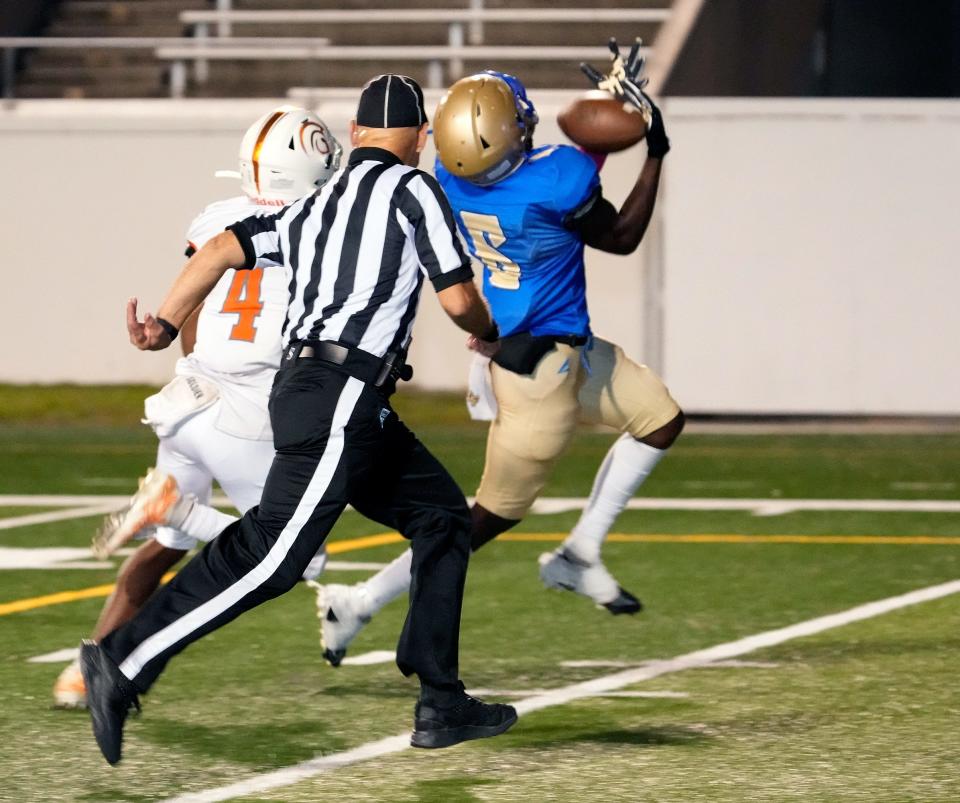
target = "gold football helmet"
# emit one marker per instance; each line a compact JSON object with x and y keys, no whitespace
{"x":483,"y":127}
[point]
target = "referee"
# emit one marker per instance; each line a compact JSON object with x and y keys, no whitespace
{"x":357,"y":252}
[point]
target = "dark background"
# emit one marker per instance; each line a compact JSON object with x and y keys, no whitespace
{"x":786,"y":48}
{"x":25,"y":17}
{"x":831,"y":48}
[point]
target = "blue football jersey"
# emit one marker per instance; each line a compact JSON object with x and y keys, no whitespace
{"x":533,"y":265}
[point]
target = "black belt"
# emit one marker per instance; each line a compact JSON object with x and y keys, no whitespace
{"x":360,"y":364}
{"x":570,"y":340}
{"x":522,"y":352}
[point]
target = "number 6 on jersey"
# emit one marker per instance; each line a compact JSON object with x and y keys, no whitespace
{"x":487,"y":234}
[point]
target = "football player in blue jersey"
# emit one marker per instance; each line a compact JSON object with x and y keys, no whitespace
{"x":527,"y":214}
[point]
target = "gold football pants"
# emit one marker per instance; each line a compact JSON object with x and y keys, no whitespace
{"x":539,"y":412}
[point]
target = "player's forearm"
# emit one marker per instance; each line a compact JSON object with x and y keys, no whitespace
{"x":634,"y":216}
{"x":477,"y":322}
{"x":198,"y":277}
{"x":467,"y":309}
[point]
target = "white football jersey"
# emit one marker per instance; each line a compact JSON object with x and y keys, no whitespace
{"x":239,"y":327}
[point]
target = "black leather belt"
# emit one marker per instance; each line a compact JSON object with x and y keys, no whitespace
{"x":360,"y":364}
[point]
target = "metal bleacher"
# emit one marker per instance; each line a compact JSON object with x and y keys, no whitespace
{"x":261,"y":48}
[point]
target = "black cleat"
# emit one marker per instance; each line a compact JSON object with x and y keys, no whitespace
{"x":332,"y":657}
{"x":624,"y":603}
{"x":110,"y":696}
{"x":469,"y":718}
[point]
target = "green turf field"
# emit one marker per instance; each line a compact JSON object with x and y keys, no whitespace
{"x":867,"y":711}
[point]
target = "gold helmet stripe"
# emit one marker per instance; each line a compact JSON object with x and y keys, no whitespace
{"x":259,"y":145}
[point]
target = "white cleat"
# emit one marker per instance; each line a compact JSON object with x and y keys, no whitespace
{"x":565,"y":571}
{"x":70,"y":691}
{"x":157,"y":502}
{"x":338,"y":608}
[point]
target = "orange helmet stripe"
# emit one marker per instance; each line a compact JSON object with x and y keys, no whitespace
{"x":259,"y":145}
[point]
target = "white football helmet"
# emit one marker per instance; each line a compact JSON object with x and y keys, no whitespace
{"x":286,"y":154}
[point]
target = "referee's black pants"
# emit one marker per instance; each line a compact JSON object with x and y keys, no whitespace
{"x":338,"y":442}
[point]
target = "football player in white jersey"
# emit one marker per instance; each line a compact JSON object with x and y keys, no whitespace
{"x":212,"y":419}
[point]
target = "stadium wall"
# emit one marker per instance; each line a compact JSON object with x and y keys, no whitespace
{"x":802,"y":259}
{"x":811,"y":256}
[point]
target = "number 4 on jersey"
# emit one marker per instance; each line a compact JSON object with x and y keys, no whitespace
{"x":487,"y":234}
{"x":244,"y":300}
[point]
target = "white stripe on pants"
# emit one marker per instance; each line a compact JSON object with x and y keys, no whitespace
{"x":163,"y":639}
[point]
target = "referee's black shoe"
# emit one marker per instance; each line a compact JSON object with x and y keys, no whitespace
{"x":463,"y":719}
{"x":110,"y":696}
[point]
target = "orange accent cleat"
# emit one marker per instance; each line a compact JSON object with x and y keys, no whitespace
{"x":70,"y":691}
{"x":157,"y":502}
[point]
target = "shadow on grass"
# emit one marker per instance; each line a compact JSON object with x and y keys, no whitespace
{"x":114,"y":795}
{"x":559,"y":735}
{"x":446,"y":790}
{"x":391,"y":691}
{"x":257,"y":745}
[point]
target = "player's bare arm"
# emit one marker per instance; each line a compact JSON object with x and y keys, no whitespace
{"x":620,"y":231}
{"x":602,"y":226}
{"x":198,"y":277}
{"x":467,"y":309}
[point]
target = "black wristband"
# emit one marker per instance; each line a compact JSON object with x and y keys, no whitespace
{"x":169,"y":328}
{"x":658,"y":144}
{"x":492,"y":335}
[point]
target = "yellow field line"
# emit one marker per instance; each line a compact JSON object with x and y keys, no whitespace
{"x":17,"y":606}
{"x":382,"y":539}
{"x":363,"y":542}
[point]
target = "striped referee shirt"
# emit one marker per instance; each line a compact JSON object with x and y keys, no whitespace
{"x":358,"y":250}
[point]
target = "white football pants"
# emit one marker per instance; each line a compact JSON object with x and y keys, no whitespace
{"x":199,"y":453}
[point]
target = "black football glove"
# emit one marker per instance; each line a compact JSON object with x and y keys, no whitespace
{"x":624,"y":82}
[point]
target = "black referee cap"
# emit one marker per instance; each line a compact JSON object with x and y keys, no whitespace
{"x":391,"y":101}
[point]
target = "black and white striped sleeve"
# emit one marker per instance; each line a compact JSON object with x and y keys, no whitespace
{"x":260,"y":239}
{"x":435,"y":233}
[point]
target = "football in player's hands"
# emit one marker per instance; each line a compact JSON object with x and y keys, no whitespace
{"x":600,"y":123}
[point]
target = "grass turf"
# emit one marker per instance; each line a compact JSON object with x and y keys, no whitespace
{"x":862,"y":713}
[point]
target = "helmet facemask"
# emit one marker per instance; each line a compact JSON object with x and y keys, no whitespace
{"x":527,"y":117}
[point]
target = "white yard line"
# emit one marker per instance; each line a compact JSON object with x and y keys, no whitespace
{"x":733,"y":664}
{"x":577,"y":691}
{"x":764,"y":507}
{"x":54,"y":558}
{"x":58,"y":657}
{"x":56,"y":515}
{"x":760,"y":507}
{"x":57,"y":558}
{"x":65,"y":500}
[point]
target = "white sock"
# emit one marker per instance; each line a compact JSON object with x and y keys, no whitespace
{"x":627,"y":464}
{"x":316,"y":565}
{"x":386,"y":585}
{"x":201,"y":522}
{"x":205,"y":523}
